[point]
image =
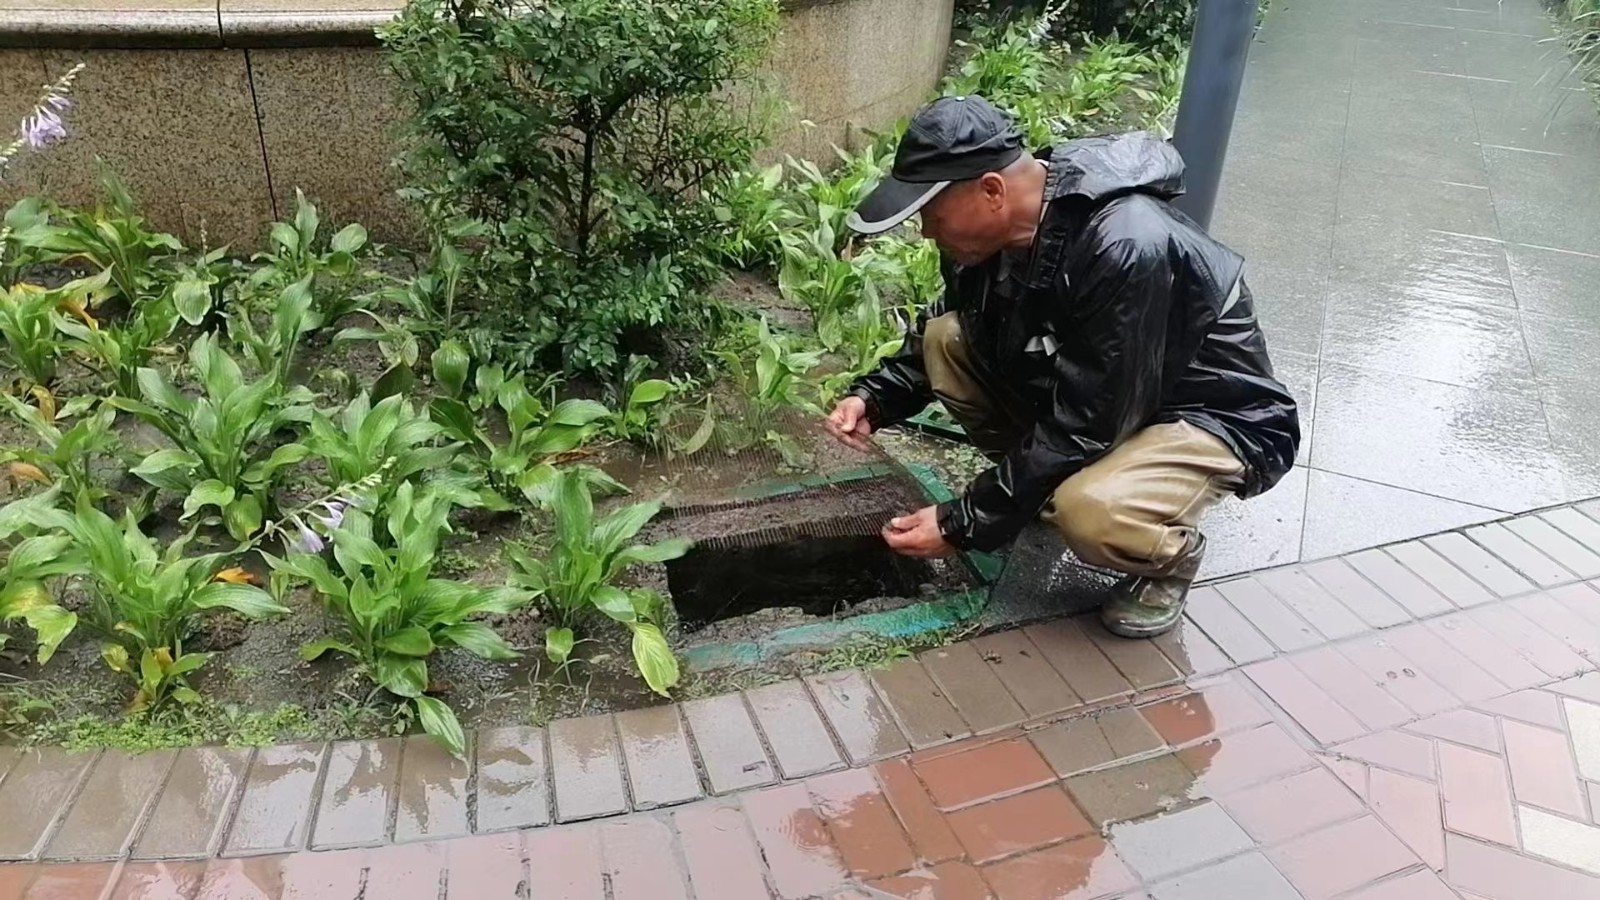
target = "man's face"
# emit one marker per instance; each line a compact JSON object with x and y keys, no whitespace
{"x":968,"y":219}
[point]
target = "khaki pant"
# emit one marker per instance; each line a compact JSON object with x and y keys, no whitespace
{"x":1136,"y":508}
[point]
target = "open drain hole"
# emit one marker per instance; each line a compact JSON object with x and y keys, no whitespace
{"x":820,"y":575}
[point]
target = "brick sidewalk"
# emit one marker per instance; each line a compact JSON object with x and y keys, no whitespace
{"x":1410,"y":723}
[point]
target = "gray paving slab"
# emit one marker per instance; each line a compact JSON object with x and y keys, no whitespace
{"x":1345,"y":514}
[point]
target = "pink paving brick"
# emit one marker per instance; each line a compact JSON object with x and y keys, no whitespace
{"x":1539,"y":647}
{"x":1312,"y":601}
{"x":1461,"y":726}
{"x":1346,"y":685}
{"x":946,"y":881}
{"x":863,"y":825}
{"x":972,"y":686}
{"x":513,"y":786}
{"x":723,"y":859}
{"x":1416,"y":886}
{"x":1477,"y":794}
{"x":356,"y":789}
{"x":1533,"y":707}
{"x":1225,"y":625}
{"x":1431,"y":656}
{"x":1218,"y":709}
{"x":71,"y":882}
{"x":146,"y":881}
{"x":795,"y":842}
{"x":1575,"y":631}
{"x":925,"y":714}
{"x":251,"y":878}
{"x":1355,"y":775}
{"x":641,"y":863}
{"x":1390,"y":670}
{"x":660,"y":764}
{"x":1340,"y":858}
{"x":1501,"y":874}
{"x":489,"y":865}
{"x":988,"y":772}
{"x":1086,"y":669}
{"x":329,"y":875}
{"x":1410,"y":807}
{"x":1395,"y":750}
{"x":1239,"y":760}
{"x":1077,"y":870}
{"x":1192,"y":653}
{"x":565,"y":863}
{"x":1489,"y":652}
{"x":866,"y":729}
{"x":432,"y":791}
{"x":1543,"y":773}
{"x":930,"y":835}
{"x":1316,"y":712}
{"x":991,"y":831}
{"x":1022,"y":668}
{"x":1286,"y":630}
{"x":793,"y":729}
{"x":1363,"y":598}
{"x":730,"y":748}
{"x":406,"y":872}
{"x":1289,"y":807}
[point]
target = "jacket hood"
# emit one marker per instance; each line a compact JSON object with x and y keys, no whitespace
{"x":1098,"y":168}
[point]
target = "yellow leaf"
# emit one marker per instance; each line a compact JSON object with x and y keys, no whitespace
{"x":116,"y":656}
{"x":236,"y":575}
{"x":163,"y":658}
{"x":46,"y":401}
{"x":26,"y":288}
{"x":21,"y":471}
{"x":74,"y":306}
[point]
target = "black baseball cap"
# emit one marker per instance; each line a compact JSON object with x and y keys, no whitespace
{"x":951,"y":139}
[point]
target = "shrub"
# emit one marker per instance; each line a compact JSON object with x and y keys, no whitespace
{"x":583,"y":136}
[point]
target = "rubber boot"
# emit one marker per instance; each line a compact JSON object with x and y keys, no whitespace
{"x":1144,"y":606}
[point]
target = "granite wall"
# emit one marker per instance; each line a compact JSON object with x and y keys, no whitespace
{"x":216,"y":111}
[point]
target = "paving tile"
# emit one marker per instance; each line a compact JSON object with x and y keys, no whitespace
{"x":730,"y":749}
{"x":71,"y":882}
{"x":1451,"y":582}
{"x":1581,"y":687}
{"x":1249,"y":876}
{"x":1554,"y":543}
{"x":1498,"y":873}
{"x":1543,"y":772}
{"x":1443,"y":663}
{"x":1313,"y":602}
{"x":1316,"y":712}
{"x":356,"y":789}
{"x":925,"y":714}
{"x":1354,"y":774}
{"x":991,"y":831}
{"x":1583,"y":721}
{"x":1077,"y":870}
{"x":251,"y":878}
{"x":513,"y":787}
{"x":1395,"y":750}
{"x":1488,"y":651}
{"x":586,"y":767}
{"x":656,"y":750}
{"x":1132,"y":791}
{"x":966,"y":679}
{"x":640,"y":861}
{"x":1141,"y":662}
{"x":1539,"y":647}
{"x":1377,"y":659}
{"x":276,"y":800}
{"x":35,"y":794}
{"x":1477,"y":795}
{"x":488,"y":865}
{"x":794,"y":729}
{"x":1191,"y":652}
{"x":1592,"y":790}
{"x":1520,"y":555}
{"x":794,"y":841}
{"x":1342,"y":681}
{"x":985,"y":773}
{"x":946,"y":881}
{"x":1077,"y":745}
{"x":15,"y":877}
{"x":723,"y":860}
{"x":1345,"y":514}
{"x":930,"y":834}
{"x":1576,"y":525}
{"x":1289,"y":807}
{"x":1463,"y":726}
{"x":405,"y":871}
{"x":1410,"y":807}
{"x":1418,"y":597}
{"x":1336,"y":859}
{"x":1533,"y":707}
{"x":1227,"y":626}
{"x":432,"y":791}
{"x":1480,"y":564}
{"x":1576,"y":631}
{"x":144,"y":881}
{"x":1286,"y":630}
{"x":316,"y":876}
{"x":866,"y":729}
{"x":1582,"y":599}
{"x":1373,"y":606}
{"x":565,"y":863}
{"x":1221,"y":708}
{"x":108,"y":809}
{"x":1243,"y":759}
{"x":1158,"y":847}
{"x":864,"y":827}
{"x":1021,"y":667}
{"x":1416,"y":886}
{"x":1087,"y":670}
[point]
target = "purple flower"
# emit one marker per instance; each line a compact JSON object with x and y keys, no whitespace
{"x":310,"y":541}
{"x":43,"y":128}
{"x":335,"y":516}
{"x":59,"y":103}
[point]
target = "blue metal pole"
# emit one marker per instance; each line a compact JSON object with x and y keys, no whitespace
{"x":1222,"y":33}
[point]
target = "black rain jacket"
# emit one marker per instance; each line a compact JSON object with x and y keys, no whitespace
{"x":1125,"y":314}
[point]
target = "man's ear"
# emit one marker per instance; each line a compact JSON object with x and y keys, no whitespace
{"x":993,"y":185}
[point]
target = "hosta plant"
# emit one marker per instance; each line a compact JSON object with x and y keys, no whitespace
{"x":272,"y":348}
{"x":64,"y":451}
{"x":118,"y":348}
{"x":641,"y":415}
{"x":30,"y":344}
{"x":223,"y":454}
{"x":575,"y":578}
{"x":296,"y":253}
{"x":29,"y":556}
{"x":392,"y":614}
{"x":142,"y":602}
{"x":395,"y":440}
{"x":777,"y":382}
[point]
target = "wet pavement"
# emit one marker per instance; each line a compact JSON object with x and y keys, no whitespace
{"x":1416,"y":722}
{"x":1412,"y":184}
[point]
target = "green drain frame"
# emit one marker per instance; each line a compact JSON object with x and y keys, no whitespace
{"x":941,"y":612}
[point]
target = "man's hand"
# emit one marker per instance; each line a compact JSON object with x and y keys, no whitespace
{"x":848,"y":424}
{"x":918,"y":534}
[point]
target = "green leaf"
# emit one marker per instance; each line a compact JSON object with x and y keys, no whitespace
{"x":167,"y":468}
{"x":246,"y":600}
{"x":614,"y":602}
{"x":651,"y":391}
{"x":659,"y":552}
{"x":702,"y":435}
{"x":654,"y":658}
{"x":558,"y":644}
{"x":620,"y":526}
{"x":439,"y":720}
{"x":401,"y":675}
{"x":412,"y":640}
{"x":479,"y":640}
{"x":450,"y":364}
{"x":187,"y":663}
{"x":350,"y":238}
{"x":185,"y":694}
{"x":209,"y":492}
{"x":316,"y":648}
{"x":242,"y":517}
{"x":399,"y":379}
{"x":192,"y":296}
{"x":577,"y":412}
{"x":574,"y":510}
{"x":51,"y":625}
{"x":455,"y":418}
